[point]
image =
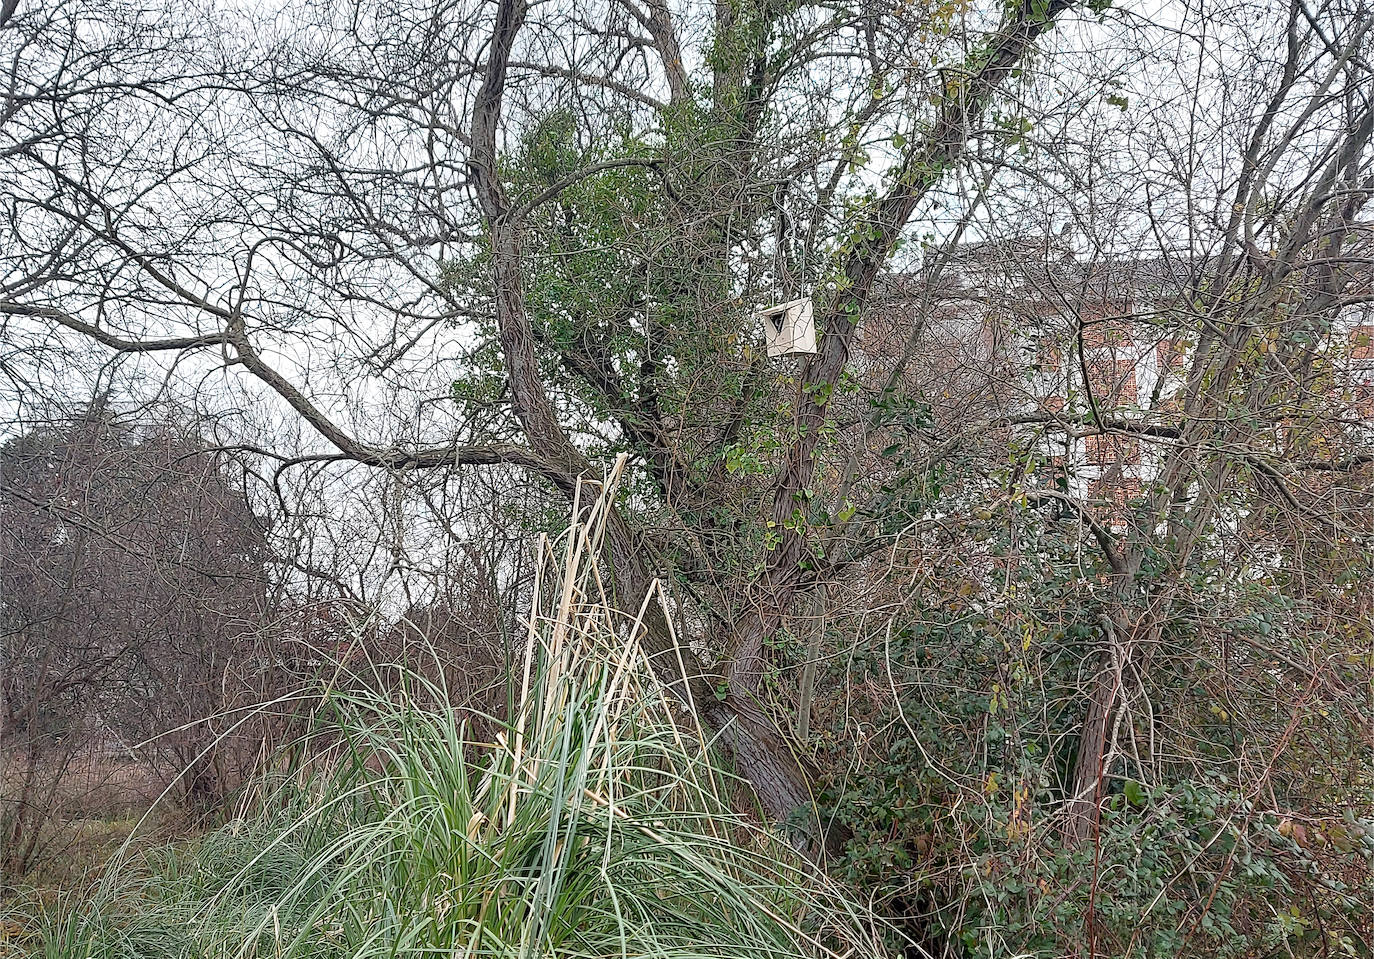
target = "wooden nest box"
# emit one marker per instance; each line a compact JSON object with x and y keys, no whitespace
{"x":791,"y":328}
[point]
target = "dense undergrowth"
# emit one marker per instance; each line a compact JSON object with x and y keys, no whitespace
{"x":593,"y":824}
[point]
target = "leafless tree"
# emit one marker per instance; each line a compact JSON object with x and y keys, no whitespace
{"x":135,"y":616}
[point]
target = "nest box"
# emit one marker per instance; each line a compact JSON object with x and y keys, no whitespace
{"x":791,"y":327}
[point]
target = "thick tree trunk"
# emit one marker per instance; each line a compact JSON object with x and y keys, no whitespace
{"x":1131,"y":640}
{"x":780,"y":777}
{"x":729,"y":706}
{"x":783,"y":778}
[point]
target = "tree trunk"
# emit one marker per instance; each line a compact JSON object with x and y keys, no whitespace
{"x":781,"y":778}
{"x":1089,"y":769}
{"x":783,"y":781}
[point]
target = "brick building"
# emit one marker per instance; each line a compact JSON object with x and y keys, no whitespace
{"x":1089,"y":357}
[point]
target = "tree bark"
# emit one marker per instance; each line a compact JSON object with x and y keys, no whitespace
{"x":1085,"y":797}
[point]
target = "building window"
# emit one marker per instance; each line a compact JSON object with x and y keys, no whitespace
{"x":1362,"y":342}
{"x":1112,"y":380}
{"x":1111,"y":449}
